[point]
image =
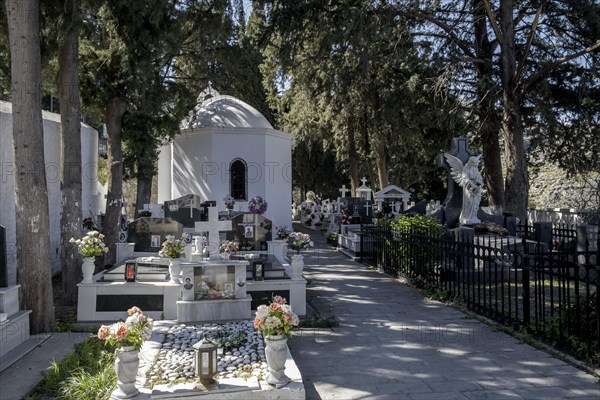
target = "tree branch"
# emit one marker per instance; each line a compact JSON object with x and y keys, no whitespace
{"x":452,"y":36}
{"x":528,"y":46}
{"x":488,"y":10}
{"x":533,"y":79}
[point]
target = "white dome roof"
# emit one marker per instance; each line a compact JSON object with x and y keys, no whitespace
{"x":225,"y":112}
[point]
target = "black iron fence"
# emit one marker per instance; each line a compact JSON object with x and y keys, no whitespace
{"x":532,"y":286}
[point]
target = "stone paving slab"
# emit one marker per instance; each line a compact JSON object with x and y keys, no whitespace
{"x":392,"y":343}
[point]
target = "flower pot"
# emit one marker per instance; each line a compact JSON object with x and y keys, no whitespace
{"x":126,"y":367}
{"x":174,"y":270}
{"x":276,"y":351}
{"x":88,"y":268}
{"x":297,"y":266}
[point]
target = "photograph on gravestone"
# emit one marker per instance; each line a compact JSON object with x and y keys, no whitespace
{"x":3,"y":257}
{"x":187,"y":209}
{"x":251,"y":231}
{"x":143,"y":230}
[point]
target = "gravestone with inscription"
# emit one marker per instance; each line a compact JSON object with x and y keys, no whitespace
{"x":3,"y":267}
{"x":361,"y":210}
{"x":187,"y":209}
{"x":149,"y":233}
{"x":251,"y":231}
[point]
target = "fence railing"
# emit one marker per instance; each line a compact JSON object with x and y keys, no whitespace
{"x":524,"y":284}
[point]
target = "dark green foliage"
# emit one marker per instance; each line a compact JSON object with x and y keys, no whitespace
{"x":87,"y":372}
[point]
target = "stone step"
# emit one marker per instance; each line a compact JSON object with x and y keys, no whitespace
{"x":22,"y":350}
{"x":14,"y":331}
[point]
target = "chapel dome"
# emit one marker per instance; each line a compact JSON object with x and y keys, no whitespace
{"x":225,"y":112}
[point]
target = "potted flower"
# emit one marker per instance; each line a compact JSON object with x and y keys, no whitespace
{"x":90,"y":246}
{"x":257,"y":205}
{"x":226,"y":248}
{"x":174,"y":249}
{"x":282,"y":232}
{"x":299,"y":241}
{"x":229,"y":202}
{"x":275,"y":322}
{"x":127,"y":337}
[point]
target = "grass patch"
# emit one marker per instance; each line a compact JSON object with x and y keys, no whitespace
{"x":85,"y":373}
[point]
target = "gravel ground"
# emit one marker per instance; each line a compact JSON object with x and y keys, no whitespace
{"x":241,"y":352}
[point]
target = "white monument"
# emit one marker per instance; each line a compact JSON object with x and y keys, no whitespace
{"x":226,"y":147}
{"x":471,"y":181}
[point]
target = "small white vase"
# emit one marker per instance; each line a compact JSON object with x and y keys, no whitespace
{"x":174,"y":270}
{"x":126,"y":368}
{"x":87,"y":268}
{"x":276,"y":351}
{"x":297,"y":266}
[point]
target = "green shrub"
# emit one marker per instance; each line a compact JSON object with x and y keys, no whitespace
{"x":89,"y":369}
{"x":408,"y":250}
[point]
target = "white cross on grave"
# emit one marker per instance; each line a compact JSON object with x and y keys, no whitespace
{"x":367,"y":206}
{"x":343,"y":190}
{"x":363,"y":181}
{"x":213,"y":226}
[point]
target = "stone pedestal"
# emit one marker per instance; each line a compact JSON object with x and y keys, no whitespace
{"x":14,"y":327}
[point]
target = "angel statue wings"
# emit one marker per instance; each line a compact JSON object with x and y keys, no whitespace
{"x":468,"y":177}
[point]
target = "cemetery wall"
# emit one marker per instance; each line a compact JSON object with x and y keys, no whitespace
{"x":91,"y":197}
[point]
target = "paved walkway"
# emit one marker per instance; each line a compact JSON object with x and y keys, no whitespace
{"x":394,"y":344}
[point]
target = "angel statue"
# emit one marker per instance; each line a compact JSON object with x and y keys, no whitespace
{"x":469,"y":178}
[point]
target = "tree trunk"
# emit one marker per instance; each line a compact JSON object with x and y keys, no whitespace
{"x":352,"y":161}
{"x":115,"y":110}
{"x":382,"y":169}
{"x":144,"y":192}
{"x":486,"y":98}
{"x":70,"y":129}
{"x":517,"y":185}
{"x":34,"y":272}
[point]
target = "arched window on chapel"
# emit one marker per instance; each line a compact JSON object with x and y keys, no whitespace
{"x":238,"y":180}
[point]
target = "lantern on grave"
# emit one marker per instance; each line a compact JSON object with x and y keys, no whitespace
{"x":205,"y":361}
{"x":130,"y":273}
{"x":258,"y":271}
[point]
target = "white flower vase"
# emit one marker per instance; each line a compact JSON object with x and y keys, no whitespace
{"x":88,"y":268}
{"x":279,"y":249}
{"x":276,"y":351}
{"x":126,"y":368}
{"x":225,"y":255}
{"x":174,"y":270}
{"x":297,"y":266}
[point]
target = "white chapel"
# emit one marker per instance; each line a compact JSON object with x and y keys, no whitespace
{"x":226,"y":147}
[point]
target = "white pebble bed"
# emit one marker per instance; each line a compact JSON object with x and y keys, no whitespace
{"x":175,"y":360}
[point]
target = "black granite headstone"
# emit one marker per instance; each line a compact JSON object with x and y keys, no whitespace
{"x":3,"y":267}
{"x":149,"y":233}
{"x":187,"y":209}
{"x":360,"y":207}
{"x":251,"y":231}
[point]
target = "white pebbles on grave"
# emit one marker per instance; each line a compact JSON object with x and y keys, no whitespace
{"x":175,"y":360}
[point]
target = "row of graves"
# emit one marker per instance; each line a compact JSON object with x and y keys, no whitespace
{"x":210,"y":286}
{"x":488,"y":240}
{"x":342,"y":218}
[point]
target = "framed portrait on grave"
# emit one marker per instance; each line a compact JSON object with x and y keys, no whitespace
{"x":122,"y":237}
{"x":249,"y":232}
{"x":155,"y":241}
{"x":173,"y":207}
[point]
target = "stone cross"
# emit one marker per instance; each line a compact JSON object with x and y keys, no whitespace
{"x":363,"y":181}
{"x":367,"y":207}
{"x":213,"y":226}
{"x":343,"y":190}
